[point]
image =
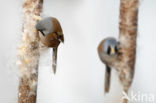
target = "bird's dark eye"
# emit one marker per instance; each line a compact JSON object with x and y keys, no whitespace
{"x":116,"y":49}
{"x":109,"y":50}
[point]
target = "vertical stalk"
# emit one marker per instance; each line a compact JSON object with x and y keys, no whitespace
{"x":28,"y":52}
{"x":127,"y":38}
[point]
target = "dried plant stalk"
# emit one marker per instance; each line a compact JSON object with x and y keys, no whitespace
{"x":28,"y":53}
{"x":127,"y":39}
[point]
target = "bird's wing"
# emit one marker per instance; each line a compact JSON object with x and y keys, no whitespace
{"x":107,"y":78}
{"x":60,"y":36}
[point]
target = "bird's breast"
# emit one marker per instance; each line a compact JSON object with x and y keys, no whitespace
{"x":109,"y":60}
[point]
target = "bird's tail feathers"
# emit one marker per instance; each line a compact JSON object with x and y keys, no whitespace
{"x":107,"y":79}
{"x":54,"y":64}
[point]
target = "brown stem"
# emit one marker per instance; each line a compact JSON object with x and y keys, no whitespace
{"x":127,"y":38}
{"x":28,"y":53}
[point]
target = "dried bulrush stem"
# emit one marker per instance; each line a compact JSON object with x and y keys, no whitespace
{"x":127,"y":39}
{"x":28,"y":53}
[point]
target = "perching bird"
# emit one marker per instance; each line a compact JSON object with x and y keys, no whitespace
{"x":108,"y":52}
{"x":51,"y":35}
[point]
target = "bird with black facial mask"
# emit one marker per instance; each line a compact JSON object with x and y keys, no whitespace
{"x":108,"y":52}
{"x":51,"y":35}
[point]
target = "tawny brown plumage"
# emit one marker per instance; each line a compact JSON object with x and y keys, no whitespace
{"x":50,"y":40}
{"x":108,"y":52}
{"x":51,"y":35}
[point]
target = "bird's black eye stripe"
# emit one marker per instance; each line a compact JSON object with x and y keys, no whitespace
{"x":116,"y":49}
{"x":109,"y":50}
{"x":42,"y":32}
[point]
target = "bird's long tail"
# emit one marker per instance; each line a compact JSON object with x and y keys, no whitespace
{"x":54,"y":64}
{"x":107,"y":78}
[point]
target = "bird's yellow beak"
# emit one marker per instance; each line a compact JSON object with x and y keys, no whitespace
{"x":35,"y":30}
{"x":112,"y":51}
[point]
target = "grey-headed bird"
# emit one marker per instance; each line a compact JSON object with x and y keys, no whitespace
{"x":51,"y":35}
{"x":108,"y":52}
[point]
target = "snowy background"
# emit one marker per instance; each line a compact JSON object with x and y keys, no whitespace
{"x":80,"y":73}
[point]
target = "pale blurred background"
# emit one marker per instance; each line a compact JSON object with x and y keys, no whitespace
{"x":80,"y":73}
